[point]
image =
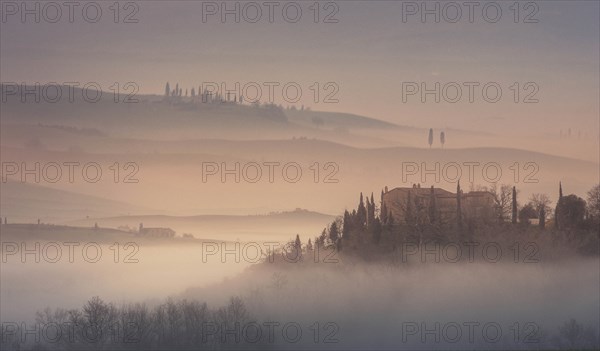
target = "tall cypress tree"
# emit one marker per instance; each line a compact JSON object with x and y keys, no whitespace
{"x":346,"y":225}
{"x":334,"y":233}
{"x":558,"y":206}
{"x":458,"y":206}
{"x":430,"y":137}
{"x":560,"y":193}
{"x":369,"y":222}
{"x":371,"y":211}
{"x":514,"y":205}
{"x":361,"y":213}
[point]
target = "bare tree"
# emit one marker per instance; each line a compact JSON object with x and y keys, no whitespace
{"x":540,"y":201}
{"x":503,"y":200}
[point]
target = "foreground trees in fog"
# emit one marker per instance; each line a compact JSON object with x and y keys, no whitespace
{"x":181,"y":325}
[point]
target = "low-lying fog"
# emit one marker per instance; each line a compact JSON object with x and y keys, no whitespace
{"x":375,"y":306}
{"x":160,"y":271}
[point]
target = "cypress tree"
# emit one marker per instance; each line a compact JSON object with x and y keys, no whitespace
{"x":458,"y":206}
{"x":372,"y":201}
{"x":371,"y":211}
{"x":369,"y":222}
{"x":347,"y":225}
{"x":560,"y":193}
{"x":558,"y":206}
{"x":333,"y":232}
{"x":514,"y":205}
{"x":430,"y":137}
{"x":543,"y":217}
{"x":361,"y":213}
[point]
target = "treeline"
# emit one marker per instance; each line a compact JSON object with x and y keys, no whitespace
{"x":192,"y":325}
{"x":371,"y":230}
{"x":173,"y":325}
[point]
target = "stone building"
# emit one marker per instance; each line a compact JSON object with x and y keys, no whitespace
{"x":156,"y":232}
{"x":474,"y":204}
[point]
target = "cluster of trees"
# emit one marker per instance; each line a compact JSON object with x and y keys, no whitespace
{"x":369,"y":224}
{"x":206,"y":95}
{"x":568,"y":134}
{"x":442,"y":137}
{"x":174,"y":325}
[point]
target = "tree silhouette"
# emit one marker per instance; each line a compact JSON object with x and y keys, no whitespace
{"x":371,"y":211}
{"x":383,"y":213}
{"x":334,"y":233}
{"x":458,"y":206}
{"x":571,"y":211}
{"x":430,"y":137}
{"x":361,"y":212}
{"x":514,"y":205}
{"x":593,"y":201}
{"x":526,"y":213}
{"x":557,"y":209}
{"x":298,"y":247}
{"x":309,"y":245}
{"x":442,"y":138}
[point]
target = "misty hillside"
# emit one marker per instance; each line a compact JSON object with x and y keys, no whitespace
{"x":26,"y":202}
{"x":82,"y":125}
{"x":334,"y":120}
{"x":274,"y":226}
{"x":167,"y":169}
{"x":151,"y":117}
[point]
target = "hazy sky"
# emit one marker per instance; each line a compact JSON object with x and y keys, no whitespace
{"x":368,"y":53}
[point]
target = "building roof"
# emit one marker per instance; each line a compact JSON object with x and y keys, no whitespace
{"x":438,"y":192}
{"x":423,"y":191}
